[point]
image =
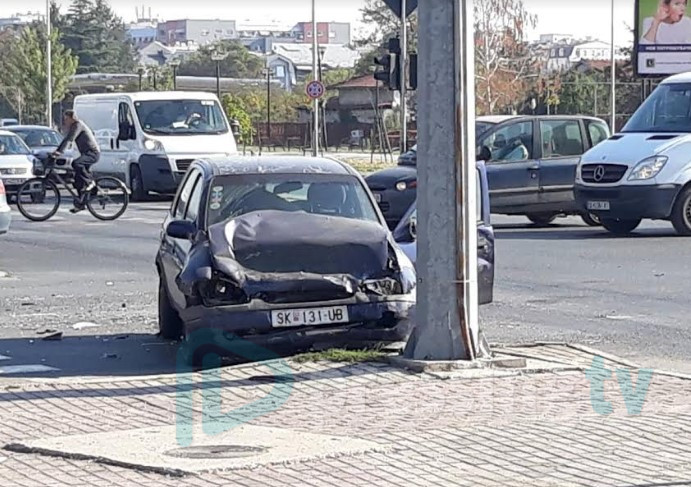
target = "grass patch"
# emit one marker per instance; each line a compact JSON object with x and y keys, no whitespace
{"x":342,"y":356}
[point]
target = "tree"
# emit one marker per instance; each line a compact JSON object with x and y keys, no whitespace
{"x":24,"y":66}
{"x":97,"y":36}
{"x":238,"y":63}
{"x":235,"y":109}
{"x":502,"y":58}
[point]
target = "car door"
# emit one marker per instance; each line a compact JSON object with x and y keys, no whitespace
{"x":485,"y":239}
{"x":562,"y":142}
{"x":512,"y":170}
{"x":174,"y":251}
{"x":124,"y":141}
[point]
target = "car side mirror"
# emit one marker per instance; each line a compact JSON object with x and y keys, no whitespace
{"x":412,"y":227}
{"x":126,"y":132}
{"x":182,"y":229}
{"x":484,"y":154}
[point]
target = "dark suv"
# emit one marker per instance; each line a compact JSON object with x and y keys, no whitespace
{"x":531,"y":167}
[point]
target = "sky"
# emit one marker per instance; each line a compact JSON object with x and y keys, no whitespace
{"x":578,"y":17}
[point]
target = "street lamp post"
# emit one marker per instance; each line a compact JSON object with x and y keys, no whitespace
{"x":218,"y":57}
{"x":49,"y":68}
{"x":175,"y":64}
{"x":315,"y":74}
{"x":268,"y":105}
{"x":613,"y":115}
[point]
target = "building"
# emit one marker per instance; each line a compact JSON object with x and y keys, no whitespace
{"x":563,"y":57}
{"x":142,"y":33}
{"x":158,"y":54}
{"x":552,"y":39}
{"x":21,"y":20}
{"x":200,"y":32}
{"x":300,"y":55}
{"x":282,"y":70}
{"x":327,"y":32}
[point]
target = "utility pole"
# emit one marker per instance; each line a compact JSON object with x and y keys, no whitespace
{"x":268,"y":103}
{"x":315,"y":73}
{"x":613,"y":122}
{"x":447,"y":310}
{"x":403,"y":78}
{"x":49,"y":68}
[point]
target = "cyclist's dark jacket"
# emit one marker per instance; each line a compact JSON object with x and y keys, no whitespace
{"x":83,"y":137}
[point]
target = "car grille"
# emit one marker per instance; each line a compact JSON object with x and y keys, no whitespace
{"x":602,"y":173}
{"x":183,"y":164}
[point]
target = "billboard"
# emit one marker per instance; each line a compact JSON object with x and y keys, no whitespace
{"x":663,"y":37}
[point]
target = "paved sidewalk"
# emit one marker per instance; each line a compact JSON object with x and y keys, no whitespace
{"x":504,"y":429}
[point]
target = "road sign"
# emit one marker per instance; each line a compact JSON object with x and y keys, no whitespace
{"x":395,"y":5}
{"x":315,"y":89}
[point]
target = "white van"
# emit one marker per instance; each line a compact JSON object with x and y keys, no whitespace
{"x":644,"y":171}
{"x":149,"y":139}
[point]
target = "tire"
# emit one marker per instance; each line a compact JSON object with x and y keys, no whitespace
{"x":170,"y":325}
{"x":542,"y":219}
{"x":25,"y":196}
{"x":137,"y":184}
{"x":591,"y":219}
{"x":681,"y":213}
{"x":108,"y":191}
{"x":620,"y":227}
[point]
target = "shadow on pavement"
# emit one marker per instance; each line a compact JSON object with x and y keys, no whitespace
{"x":515,"y":232}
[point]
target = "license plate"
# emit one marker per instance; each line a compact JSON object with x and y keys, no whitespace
{"x":309,"y":316}
{"x":377,"y":197}
{"x":598,"y":205}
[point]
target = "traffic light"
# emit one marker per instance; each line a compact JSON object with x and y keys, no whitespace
{"x":390,"y":75}
{"x":412,"y":71}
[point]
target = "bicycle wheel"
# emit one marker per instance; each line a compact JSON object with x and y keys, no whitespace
{"x":38,"y":199}
{"x":108,"y":200}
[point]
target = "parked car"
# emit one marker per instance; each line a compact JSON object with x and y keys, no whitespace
{"x":531,"y":166}
{"x":395,"y":187}
{"x":279,"y":250}
{"x":644,"y":171}
{"x":16,"y":161}
{"x":405,"y":235}
{"x":6,"y":122}
{"x":5,"y":212}
{"x":149,"y":139}
{"x":43,"y":141}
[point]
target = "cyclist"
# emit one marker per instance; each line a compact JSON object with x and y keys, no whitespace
{"x":89,"y":154}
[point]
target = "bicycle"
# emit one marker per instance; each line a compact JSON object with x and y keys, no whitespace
{"x":42,"y":192}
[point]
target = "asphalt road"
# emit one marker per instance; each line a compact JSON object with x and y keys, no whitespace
{"x":95,"y":282}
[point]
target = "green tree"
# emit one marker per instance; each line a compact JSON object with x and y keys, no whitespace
{"x":97,"y":36}
{"x":24,"y":66}
{"x":235,"y":109}
{"x":238,"y":62}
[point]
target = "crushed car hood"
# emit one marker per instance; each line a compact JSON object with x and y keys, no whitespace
{"x":284,"y":242}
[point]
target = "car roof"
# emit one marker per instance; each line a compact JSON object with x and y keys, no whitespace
{"x":277,"y":164}
{"x":12,"y":128}
{"x":4,"y":131}
{"x":678,"y":78}
{"x":150,"y":96}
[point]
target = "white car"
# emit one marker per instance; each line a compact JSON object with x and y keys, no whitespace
{"x":5,"y":213}
{"x":16,"y":161}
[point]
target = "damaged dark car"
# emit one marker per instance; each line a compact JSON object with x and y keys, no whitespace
{"x":279,"y":251}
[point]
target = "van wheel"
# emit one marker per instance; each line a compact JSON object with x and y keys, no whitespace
{"x":542,"y":219}
{"x":170,"y":325}
{"x":591,"y":219}
{"x":620,"y":227}
{"x":137,"y":184}
{"x":681,"y":213}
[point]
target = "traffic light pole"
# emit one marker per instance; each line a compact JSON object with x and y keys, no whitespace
{"x":446,"y":325}
{"x":403,"y":72}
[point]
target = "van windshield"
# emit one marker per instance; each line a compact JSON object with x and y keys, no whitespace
{"x":181,"y":117}
{"x":667,"y":109}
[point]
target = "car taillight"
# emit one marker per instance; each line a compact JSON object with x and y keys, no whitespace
{"x":2,"y":187}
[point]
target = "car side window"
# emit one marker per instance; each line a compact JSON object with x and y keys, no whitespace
{"x":512,"y":143}
{"x":184,"y":195}
{"x":597,"y":131}
{"x":561,"y":138}
{"x":195,"y":200}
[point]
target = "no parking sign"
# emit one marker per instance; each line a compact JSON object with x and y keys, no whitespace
{"x":315,"y":89}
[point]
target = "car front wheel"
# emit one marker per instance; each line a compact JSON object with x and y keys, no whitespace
{"x":681,"y":213}
{"x":591,"y":219}
{"x":620,"y":227}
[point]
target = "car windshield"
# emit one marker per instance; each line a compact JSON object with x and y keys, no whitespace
{"x":39,"y":137}
{"x":344,"y":196}
{"x":11,"y":145}
{"x":181,"y":117}
{"x":667,"y":109}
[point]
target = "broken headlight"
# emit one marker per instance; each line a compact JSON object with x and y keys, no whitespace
{"x":220,"y":291}
{"x":382,"y":287}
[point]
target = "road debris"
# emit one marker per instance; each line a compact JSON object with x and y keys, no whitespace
{"x":110,"y":355}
